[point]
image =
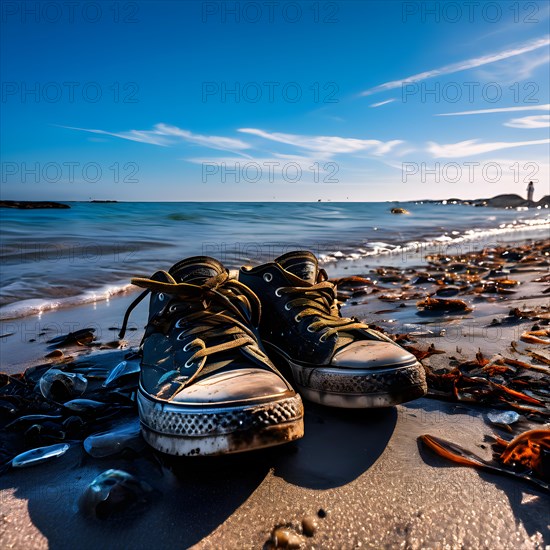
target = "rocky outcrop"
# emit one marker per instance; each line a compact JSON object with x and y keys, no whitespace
{"x":507,"y":201}
{"x":500,"y":201}
{"x":30,"y":205}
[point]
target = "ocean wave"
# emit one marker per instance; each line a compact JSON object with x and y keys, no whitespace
{"x":448,"y":242}
{"x":37,"y":306}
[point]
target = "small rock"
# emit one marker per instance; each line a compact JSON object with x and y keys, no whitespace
{"x":309,"y":525}
{"x":283,"y":537}
{"x":115,"y":494}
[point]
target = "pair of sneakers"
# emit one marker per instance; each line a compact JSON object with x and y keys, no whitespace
{"x":208,"y":382}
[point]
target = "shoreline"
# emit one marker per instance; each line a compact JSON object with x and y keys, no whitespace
{"x":336,"y":261}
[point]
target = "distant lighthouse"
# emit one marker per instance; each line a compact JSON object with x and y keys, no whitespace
{"x":530,"y":191}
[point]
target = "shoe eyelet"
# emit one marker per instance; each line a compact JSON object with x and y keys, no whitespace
{"x":297,"y":318}
{"x":181,"y":336}
{"x":172,"y":308}
{"x":187,"y":346}
{"x":287,"y":307}
{"x":188,"y":365}
{"x":179,"y":323}
{"x":309,"y":329}
{"x":268,"y":277}
{"x":161,"y":297}
{"x":322,"y":338}
{"x":278,"y":293}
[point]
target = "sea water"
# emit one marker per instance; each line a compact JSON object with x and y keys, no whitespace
{"x":53,"y":258}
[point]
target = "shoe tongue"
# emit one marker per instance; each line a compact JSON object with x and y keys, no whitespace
{"x":303,"y":264}
{"x":196,"y":270}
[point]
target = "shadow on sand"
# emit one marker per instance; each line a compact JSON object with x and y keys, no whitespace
{"x":339,"y":445}
{"x":196,"y":495}
{"x":191,"y":500}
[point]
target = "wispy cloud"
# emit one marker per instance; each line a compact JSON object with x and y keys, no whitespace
{"x":462,"y":65}
{"x":474,"y":147}
{"x":166,"y":135}
{"x":274,"y":169}
{"x":516,"y":69}
{"x":383,"y":102}
{"x":529,"y":122}
{"x":152,"y":137}
{"x":215,"y":142}
{"x":327,"y":145}
{"x":499,"y":110}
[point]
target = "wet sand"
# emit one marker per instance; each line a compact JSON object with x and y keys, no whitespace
{"x":365,"y":469}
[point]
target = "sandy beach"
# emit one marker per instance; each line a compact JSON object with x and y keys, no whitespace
{"x":363,"y":471}
{"x":260,"y":169}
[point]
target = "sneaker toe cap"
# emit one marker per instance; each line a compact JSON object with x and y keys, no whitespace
{"x":373,"y":354}
{"x":229,"y":387}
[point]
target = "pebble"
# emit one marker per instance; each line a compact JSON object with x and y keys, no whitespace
{"x":283,"y":537}
{"x":309,"y":525}
{"x":115,"y":494}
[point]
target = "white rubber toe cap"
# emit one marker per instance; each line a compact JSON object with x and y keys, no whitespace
{"x":232,"y":386}
{"x":371,"y":354}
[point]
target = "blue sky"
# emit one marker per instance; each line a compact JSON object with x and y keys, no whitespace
{"x":276,"y":100}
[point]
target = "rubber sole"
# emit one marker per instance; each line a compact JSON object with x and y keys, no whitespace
{"x":356,"y":388}
{"x":207,"y":431}
{"x":369,"y":401}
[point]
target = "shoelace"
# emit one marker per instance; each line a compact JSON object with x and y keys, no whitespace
{"x":238,"y":307}
{"x":319,"y":300}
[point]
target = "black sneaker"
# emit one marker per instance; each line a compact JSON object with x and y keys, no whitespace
{"x":334,"y":361}
{"x":206,"y":386}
